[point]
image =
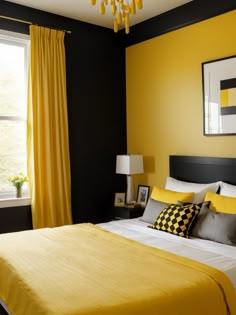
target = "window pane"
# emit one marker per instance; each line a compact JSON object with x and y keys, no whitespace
{"x":13,"y":87}
{"x":12,"y":80}
{"x":13,"y":151}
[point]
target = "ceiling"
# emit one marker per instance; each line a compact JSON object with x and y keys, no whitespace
{"x":82,"y":9}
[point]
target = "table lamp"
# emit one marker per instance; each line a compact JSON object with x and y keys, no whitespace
{"x":129,"y":165}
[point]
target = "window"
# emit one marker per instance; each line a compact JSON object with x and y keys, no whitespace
{"x":13,"y":109}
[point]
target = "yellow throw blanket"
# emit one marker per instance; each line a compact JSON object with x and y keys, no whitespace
{"x":85,"y":270}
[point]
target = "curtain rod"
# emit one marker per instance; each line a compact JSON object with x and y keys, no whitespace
{"x":27,"y":22}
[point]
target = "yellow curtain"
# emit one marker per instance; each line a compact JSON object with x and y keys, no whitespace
{"x":47,"y":138}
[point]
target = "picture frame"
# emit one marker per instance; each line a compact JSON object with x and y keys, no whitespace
{"x":142,"y":195}
{"x":219,"y":96}
{"x":119,"y":199}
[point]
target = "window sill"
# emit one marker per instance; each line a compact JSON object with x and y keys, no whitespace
{"x":15,"y":202}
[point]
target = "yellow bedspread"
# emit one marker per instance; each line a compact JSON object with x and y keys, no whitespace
{"x":85,"y":270}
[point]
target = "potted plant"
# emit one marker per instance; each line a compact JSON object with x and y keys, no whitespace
{"x":18,"y":181}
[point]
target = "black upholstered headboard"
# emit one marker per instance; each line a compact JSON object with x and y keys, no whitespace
{"x":200,"y":169}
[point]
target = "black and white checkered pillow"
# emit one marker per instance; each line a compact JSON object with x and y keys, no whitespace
{"x":177,"y":219}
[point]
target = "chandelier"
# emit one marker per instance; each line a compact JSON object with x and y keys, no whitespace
{"x":121,"y":10}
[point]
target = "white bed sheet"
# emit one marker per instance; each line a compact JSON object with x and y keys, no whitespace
{"x":220,"y":256}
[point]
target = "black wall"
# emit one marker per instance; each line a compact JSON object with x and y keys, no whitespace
{"x":14,"y":219}
{"x":96,"y":94}
{"x":96,"y":107}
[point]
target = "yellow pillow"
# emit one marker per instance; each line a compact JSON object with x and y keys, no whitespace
{"x":170,"y":196}
{"x":221,"y":203}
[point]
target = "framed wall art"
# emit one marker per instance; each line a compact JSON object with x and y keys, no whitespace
{"x":219,"y":96}
{"x":143,"y":194}
{"x":119,"y":200}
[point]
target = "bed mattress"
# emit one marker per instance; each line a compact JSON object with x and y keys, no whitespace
{"x":220,"y":256}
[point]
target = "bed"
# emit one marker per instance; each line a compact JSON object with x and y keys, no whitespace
{"x":127,"y":258}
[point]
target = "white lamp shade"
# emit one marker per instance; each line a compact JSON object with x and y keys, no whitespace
{"x":129,"y":164}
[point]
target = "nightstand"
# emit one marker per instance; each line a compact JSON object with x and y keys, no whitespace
{"x":120,"y":213}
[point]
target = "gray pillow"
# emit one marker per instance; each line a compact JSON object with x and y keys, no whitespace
{"x":215,"y":226}
{"x":152,"y":210}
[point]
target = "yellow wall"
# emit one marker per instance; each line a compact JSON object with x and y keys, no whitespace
{"x":164,"y":95}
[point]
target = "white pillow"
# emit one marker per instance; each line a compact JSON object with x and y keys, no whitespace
{"x":199,"y":190}
{"x":227,"y":189}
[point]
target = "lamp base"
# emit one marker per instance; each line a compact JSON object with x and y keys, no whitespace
{"x":130,"y":190}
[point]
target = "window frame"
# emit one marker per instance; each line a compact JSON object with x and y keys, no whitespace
{"x":7,"y":198}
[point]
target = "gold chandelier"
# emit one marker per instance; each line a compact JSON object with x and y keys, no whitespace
{"x":121,"y":10}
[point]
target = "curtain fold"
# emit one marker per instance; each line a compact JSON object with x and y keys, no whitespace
{"x":47,"y":127}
